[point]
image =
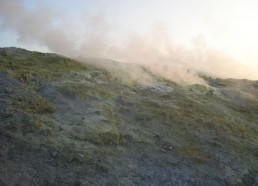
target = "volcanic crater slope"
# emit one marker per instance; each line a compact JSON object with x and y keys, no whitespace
{"x":67,"y":123}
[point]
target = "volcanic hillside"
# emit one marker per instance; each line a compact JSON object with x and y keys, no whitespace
{"x":63,"y":122}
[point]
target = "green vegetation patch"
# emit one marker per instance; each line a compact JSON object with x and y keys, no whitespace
{"x":50,"y":66}
{"x":196,"y":154}
{"x":35,"y":105}
{"x":90,"y":91}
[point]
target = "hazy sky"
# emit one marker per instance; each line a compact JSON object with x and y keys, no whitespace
{"x":230,"y":26}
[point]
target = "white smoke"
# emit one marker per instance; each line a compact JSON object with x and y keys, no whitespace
{"x":94,"y":36}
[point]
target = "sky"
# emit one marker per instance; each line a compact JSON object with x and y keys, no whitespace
{"x":215,"y":36}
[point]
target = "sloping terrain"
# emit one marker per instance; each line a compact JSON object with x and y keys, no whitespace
{"x":67,"y":123}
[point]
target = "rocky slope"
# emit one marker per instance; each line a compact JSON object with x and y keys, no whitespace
{"x":67,"y":123}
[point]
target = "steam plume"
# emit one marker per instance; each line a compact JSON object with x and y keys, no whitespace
{"x":94,"y":36}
